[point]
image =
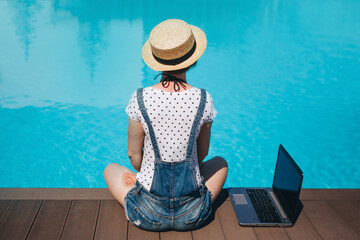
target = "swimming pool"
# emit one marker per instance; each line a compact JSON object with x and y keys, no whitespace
{"x":278,"y":71}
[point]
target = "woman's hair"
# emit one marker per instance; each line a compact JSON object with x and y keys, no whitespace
{"x":179,"y":71}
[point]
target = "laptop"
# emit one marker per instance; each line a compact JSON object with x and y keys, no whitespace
{"x":276,"y":206}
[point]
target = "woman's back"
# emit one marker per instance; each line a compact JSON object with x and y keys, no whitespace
{"x":171,"y":115}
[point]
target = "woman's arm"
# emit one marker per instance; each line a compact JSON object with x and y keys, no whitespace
{"x":203,"y":141}
{"x":135,"y":143}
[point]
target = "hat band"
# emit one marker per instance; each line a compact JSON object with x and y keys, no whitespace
{"x":177,"y":60}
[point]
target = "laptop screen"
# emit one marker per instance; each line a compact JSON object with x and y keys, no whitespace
{"x":287,"y":182}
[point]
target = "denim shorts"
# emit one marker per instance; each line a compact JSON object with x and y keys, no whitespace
{"x":153,"y":213}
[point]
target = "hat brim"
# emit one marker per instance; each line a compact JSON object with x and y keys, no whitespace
{"x":201,"y":42}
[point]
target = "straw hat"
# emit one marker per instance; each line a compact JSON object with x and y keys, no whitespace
{"x":173,"y":45}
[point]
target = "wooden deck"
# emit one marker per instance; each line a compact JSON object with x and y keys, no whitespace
{"x":27,"y":213}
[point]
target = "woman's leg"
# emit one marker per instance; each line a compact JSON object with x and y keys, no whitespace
{"x":214,"y":172}
{"x":119,"y":180}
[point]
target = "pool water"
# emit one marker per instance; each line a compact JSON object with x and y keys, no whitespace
{"x":279,"y":72}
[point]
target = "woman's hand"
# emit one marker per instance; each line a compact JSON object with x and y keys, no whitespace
{"x":136,"y":136}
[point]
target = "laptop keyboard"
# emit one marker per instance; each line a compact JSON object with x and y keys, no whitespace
{"x":264,"y":208}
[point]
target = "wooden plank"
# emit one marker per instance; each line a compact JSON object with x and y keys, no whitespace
{"x":112,"y":222}
{"x":174,"y":235}
{"x":19,"y":219}
{"x":211,"y":231}
{"x":330,"y":194}
{"x":350,"y":211}
{"x":4,"y":208}
{"x":50,"y":220}
{"x":270,"y":233}
{"x":230,"y":224}
{"x":327,"y":222}
{"x":55,"y":193}
{"x":303,"y":229}
{"x":135,"y":233}
{"x":81,"y":221}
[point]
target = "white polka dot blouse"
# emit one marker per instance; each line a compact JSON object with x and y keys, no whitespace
{"x":171,"y":115}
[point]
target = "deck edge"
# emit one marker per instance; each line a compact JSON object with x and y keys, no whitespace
{"x":55,"y":193}
{"x":104,"y":194}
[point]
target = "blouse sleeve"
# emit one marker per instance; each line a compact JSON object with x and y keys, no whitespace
{"x":132,"y":109}
{"x":210,"y":112}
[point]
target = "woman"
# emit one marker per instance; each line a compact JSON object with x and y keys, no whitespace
{"x":168,"y":138}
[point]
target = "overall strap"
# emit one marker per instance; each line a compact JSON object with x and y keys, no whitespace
{"x":198,"y":116}
{"x":147,"y":120}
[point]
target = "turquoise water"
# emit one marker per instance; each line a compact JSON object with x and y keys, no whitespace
{"x":279,"y":72}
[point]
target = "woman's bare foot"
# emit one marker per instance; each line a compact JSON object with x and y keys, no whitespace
{"x":129,"y":178}
{"x":119,"y":179}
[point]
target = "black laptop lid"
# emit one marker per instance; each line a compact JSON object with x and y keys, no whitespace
{"x":287,"y":182}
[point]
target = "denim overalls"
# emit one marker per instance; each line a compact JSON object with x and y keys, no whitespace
{"x":175,"y":201}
